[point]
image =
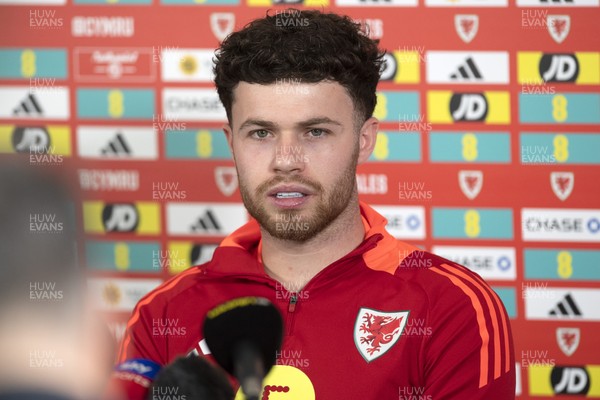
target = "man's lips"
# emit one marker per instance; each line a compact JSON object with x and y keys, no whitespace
{"x":289,"y":191}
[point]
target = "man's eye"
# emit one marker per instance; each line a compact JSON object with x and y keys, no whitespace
{"x":316,"y":132}
{"x":261,"y":134}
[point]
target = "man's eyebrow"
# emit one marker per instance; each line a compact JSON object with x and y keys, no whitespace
{"x":258,"y":122}
{"x":301,"y":124}
{"x":317,"y":121}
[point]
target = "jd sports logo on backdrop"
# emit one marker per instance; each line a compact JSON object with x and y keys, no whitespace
{"x":570,"y":380}
{"x":559,"y":68}
{"x":48,"y":139}
{"x":31,"y":139}
{"x":141,"y":218}
{"x":468,"y":107}
{"x":120,"y":217}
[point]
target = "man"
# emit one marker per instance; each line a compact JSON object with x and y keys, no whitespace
{"x":366,"y":317}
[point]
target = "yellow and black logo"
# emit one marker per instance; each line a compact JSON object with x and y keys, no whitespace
{"x":535,"y":68}
{"x":141,"y":218}
{"x":446,"y":107}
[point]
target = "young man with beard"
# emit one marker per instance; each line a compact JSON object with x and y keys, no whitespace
{"x":366,"y":316}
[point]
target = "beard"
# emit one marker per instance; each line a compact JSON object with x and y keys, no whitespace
{"x":302,"y":225}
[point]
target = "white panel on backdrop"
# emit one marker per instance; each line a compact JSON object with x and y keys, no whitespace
{"x":377,"y":3}
{"x":567,"y":225}
{"x":192,"y":105}
{"x":558,"y":3}
{"x":466,"y":3}
{"x":542,"y":302}
{"x":33,"y":2}
{"x":204,"y":219}
{"x":404,"y":222}
{"x":24,"y":102}
{"x":187,"y":65}
{"x":124,"y":143}
{"x":495,"y":263}
{"x":460,"y":67}
{"x":119,"y":294}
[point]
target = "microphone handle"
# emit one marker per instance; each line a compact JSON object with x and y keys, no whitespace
{"x":249,"y":369}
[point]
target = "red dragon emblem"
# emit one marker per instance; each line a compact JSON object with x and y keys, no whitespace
{"x":378,"y":331}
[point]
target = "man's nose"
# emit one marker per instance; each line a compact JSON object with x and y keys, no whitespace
{"x":289,"y":155}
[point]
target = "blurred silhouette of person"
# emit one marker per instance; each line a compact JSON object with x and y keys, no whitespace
{"x":52,"y":345}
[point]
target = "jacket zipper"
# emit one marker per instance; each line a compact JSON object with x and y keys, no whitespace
{"x":293,"y":302}
{"x":290,"y":316}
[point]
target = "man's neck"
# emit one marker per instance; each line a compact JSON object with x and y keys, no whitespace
{"x":293,"y":264}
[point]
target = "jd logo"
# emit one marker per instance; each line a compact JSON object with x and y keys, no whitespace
{"x":34,"y":139}
{"x":559,"y":68}
{"x":570,"y":380}
{"x":468,"y":107}
{"x":120,"y":217}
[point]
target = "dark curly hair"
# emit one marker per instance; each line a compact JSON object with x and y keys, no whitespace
{"x":306,"y":45}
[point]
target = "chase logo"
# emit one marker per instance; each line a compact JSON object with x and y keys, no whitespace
{"x":569,"y":225}
{"x":401,"y":67}
{"x":205,"y":144}
{"x":115,"y":103}
{"x":463,"y":223}
{"x":569,"y":108}
{"x":582,"y":68}
{"x":550,"y":380}
{"x":562,"y":264}
{"x":404,"y":222}
{"x":395,"y":106}
{"x":192,"y":105}
{"x":445,"y":107}
{"x":51,"y":139}
{"x":495,"y":263}
{"x":33,"y":63}
{"x":397,"y":147}
{"x":469,"y":147}
{"x":141,"y":218}
{"x":122,"y":256}
{"x":571,"y":148}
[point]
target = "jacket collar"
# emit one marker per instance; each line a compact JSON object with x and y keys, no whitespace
{"x":385,"y":255}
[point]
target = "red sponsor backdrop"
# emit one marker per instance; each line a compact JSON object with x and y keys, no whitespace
{"x":511,"y":185}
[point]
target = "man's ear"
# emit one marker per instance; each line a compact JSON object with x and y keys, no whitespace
{"x":367,"y":139}
{"x":229,"y":136}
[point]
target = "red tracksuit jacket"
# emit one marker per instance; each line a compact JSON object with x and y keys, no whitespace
{"x":386,"y":321}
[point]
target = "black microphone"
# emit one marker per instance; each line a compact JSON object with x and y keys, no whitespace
{"x":191,"y":377}
{"x":243,"y":336}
